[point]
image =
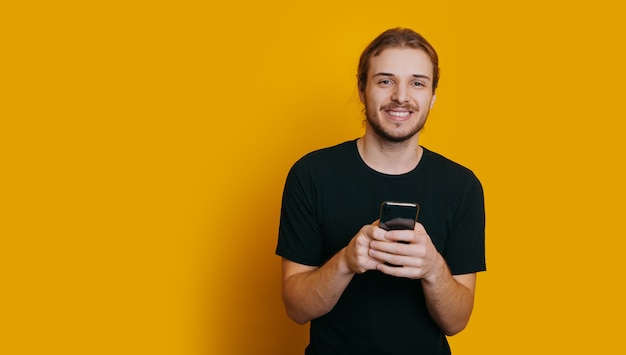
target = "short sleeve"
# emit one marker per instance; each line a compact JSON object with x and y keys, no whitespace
{"x":299,"y":234}
{"x":465,"y":252}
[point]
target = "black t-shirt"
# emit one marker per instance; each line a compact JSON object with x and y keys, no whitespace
{"x":329,"y":195}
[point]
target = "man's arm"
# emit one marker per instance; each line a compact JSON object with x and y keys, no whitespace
{"x":310,"y":292}
{"x":450,"y":299}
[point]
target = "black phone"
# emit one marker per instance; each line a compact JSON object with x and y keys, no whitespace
{"x":398,"y":215}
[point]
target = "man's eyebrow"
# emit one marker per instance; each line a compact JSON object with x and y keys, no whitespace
{"x":422,"y":76}
{"x":418,"y":76}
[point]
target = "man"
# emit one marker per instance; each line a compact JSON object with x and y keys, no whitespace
{"x":366,"y":290}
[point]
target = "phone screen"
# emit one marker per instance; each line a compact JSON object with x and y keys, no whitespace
{"x":398,"y":215}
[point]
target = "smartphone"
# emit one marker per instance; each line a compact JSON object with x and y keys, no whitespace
{"x":398,"y":215}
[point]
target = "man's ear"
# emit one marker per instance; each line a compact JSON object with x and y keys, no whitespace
{"x":362,"y":97}
{"x":432,"y":101}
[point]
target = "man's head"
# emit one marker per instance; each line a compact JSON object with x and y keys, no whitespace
{"x":396,"y":38}
{"x":397,"y":77}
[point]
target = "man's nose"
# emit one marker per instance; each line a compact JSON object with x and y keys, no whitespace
{"x":400,"y":94}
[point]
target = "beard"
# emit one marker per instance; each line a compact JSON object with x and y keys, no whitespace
{"x":391,"y":137}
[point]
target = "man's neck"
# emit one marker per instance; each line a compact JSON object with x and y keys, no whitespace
{"x":389,"y":157}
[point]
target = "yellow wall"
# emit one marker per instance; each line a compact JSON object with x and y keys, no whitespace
{"x":145,"y":144}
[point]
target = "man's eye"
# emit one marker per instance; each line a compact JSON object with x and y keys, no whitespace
{"x":417,"y":83}
{"x":385,"y":82}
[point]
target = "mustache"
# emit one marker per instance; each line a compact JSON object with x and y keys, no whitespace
{"x":393,"y":106}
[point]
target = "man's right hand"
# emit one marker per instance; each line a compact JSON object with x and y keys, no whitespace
{"x":356,"y":253}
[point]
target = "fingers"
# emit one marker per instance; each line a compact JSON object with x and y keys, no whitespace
{"x":405,"y":235}
{"x":409,"y":266}
{"x":398,"y":253}
{"x":399,"y":271}
{"x":372,"y":247}
{"x":412,"y":250}
{"x":358,"y":251}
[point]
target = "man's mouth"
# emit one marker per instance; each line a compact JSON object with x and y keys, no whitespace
{"x":399,"y":114}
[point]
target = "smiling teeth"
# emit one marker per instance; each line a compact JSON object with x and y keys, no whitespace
{"x":399,"y":114}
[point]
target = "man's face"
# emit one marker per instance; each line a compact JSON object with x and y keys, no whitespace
{"x":399,"y":93}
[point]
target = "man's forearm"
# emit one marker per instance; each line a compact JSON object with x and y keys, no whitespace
{"x":312,"y":293}
{"x":450,"y":299}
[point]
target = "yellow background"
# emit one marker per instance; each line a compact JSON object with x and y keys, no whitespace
{"x":144,"y":146}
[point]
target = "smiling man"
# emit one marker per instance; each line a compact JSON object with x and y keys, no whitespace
{"x":364,"y":289}
{"x":402,"y":97}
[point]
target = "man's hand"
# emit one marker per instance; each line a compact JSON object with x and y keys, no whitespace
{"x":310,"y":292}
{"x":357,"y":253}
{"x":412,"y":251}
